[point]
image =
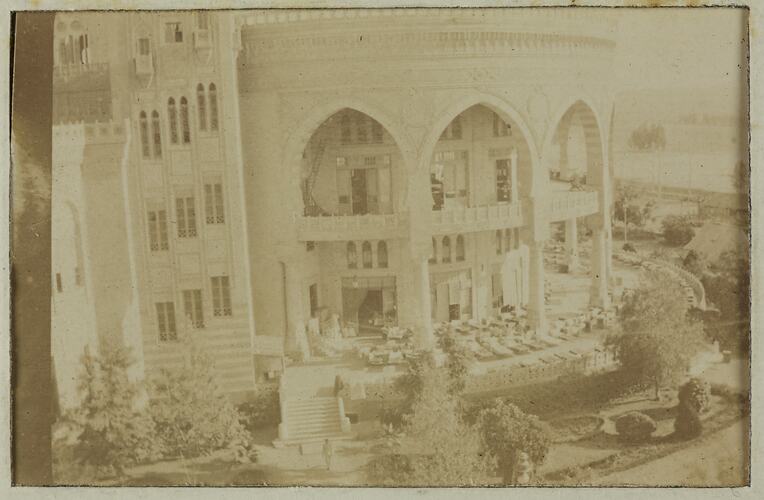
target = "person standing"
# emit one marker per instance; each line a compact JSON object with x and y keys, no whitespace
{"x":328,"y":453}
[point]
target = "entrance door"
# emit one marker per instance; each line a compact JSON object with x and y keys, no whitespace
{"x":313,"y":293}
{"x":358,"y":187}
{"x":370,"y":312}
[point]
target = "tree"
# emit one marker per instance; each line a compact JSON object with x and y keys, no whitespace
{"x":694,"y":263}
{"x":507,"y":431}
{"x":192,"y":416}
{"x":687,"y":424}
{"x":114,"y":430}
{"x":677,"y":230}
{"x":458,"y":362}
{"x":648,"y":137}
{"x":628,"y":210}
{"x":656,"y":339}
{"x":696,"y":393}
{"x":728,"y":287}
{"x":635,"y":427}
{"x":438,"y":447}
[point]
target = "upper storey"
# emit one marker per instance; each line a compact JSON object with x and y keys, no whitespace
{"x":400,"y":42}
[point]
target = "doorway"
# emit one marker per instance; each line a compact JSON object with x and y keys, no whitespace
{"x":358,"y":186}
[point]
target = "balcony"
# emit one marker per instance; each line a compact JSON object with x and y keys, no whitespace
{"x":569,"y":204}
{"x":473,"y":219}
{"x":351,"y":227}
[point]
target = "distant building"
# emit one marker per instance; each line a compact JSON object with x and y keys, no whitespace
{"x":245,"y":174}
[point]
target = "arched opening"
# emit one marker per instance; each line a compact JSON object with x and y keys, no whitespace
{"x":446,"y":245}
{"x":201,"y":105}
{"x":184,"y":120}
{"x":366,"y":255}
{"x":350,"y":254}
{"x":172,"y":118}
{"x":575,"y":157}
{"x":459,"y":248}
{"x":144,"y":127}
{"x":482,"y":158}
{"x":382,"y":254}
{"x":434,"y":252}
{"x":156,"y":134}
{"x":212,"y":95}
{"x":349,"y":167}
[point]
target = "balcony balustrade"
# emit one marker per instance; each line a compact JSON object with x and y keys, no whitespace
{"x":569,"y":204}
{"x":351,"y":227}
{"x":480,"y":218}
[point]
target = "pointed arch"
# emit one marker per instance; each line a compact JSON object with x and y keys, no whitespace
{"x":184,"y":125}
{"x":446,"y":247}
{"x":144,"y":130}
{"x":459,"y":253}
{"x":172,"y":118}
{"x":366,"y":255}
{"x":351,"y":255}
{"x":201,"y":106}
{"x":156,"y":134}
{"x":382,"y":254}
{"x":212,"y":96}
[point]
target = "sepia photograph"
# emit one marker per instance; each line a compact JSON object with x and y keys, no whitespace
{"x":383,"y":247}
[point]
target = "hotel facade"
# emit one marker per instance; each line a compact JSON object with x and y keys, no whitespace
{"x":243,"y":176}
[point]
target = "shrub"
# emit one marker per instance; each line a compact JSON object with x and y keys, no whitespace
{"x":113,"y":431}
{"x":389,"y":470}
{"x":635,"y":427}
{"x":696,"y":393}
{"x":628,"y":247}
{"x":687,"y":424}
{"x":263,"y":410}
{"x":677,"y":230}
{"x":192,"y":416}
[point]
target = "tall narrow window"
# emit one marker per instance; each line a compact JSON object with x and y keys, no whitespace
{"x":221,"y":296}
{"x":213,"y":98}
{"x":213,"y":203}
{"x":192,"y":303}
{"x":434,"y":252}
{"x":352,"y":257}
{"x":459,"y":248}
{"x":498,"y":242}
{"x":201,"y":104}
{"x":382,"y":254}
{"x":184,"y":120}
{"x":173,"y":33}
{"x":156,"y":133}
{"x":446,"y":246}
{"x":345,"y":132}
{"x":507,"y":240}
{"x":166,"y":321}
{"x":172,"y":117}
{"x":144,"y":47}
{"x":59,"y":283}
{"x":366,"y":255}
{"x":377,"y":133}
{"x":158,"y":240}
{"x":144,"y":126}
{"x":185,"y":212}
{"x":83,"y":49}
{"x":361,"y":128}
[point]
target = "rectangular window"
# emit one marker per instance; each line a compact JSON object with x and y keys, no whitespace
{"x":59,"y":283}
{"x":221,"y":296}
{"x":213,"y":203}
{"x":173,"y":33}
{"x":166,"y":321}
{"x":186,"y":215}
{"x":192,"y":302}
{"x":144,"y":46}
{"x":158,"y":230}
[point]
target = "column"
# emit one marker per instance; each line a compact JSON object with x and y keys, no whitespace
{"x":599,"y":288}
{"x":295,"y":318}
{"x":536,"y":302}
{"x":423,"y":325}
{"x":571,"y":243}
{"x":513,"y":176}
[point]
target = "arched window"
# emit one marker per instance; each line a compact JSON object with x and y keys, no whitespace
{"x":345,"y":133}
{"x":201,"y":104}
{"x":460,"y":248}
{"x":507,"y":240}
{"x":213,"y":98}
{"x":172,"y":117}
{"x":366,"y":254}
{"x":155,"y":132}
{"x":350,"y":253}
{"x":434,"y":252}
{"x":382,"y":254}
{"x":498,"y":242}
{"x":184,"y":120}
{"x":446,"y":245}
{"x":144,"y":125}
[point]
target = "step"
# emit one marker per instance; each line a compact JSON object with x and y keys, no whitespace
{"x":336,"y":436}
{"x":313,"y":426}
{"x":314,"y":413}
{"x":308,"y":403}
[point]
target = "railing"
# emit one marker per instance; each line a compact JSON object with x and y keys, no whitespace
{"x":568,"y":204}
{"x":480,"y":218}
{"x":351,"y":227}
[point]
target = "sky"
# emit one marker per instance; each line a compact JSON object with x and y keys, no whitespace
{"x":680,"y":47}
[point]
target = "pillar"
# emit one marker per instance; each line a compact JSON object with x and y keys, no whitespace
{"x":536,"y":302}
{"x":571,"y":243}
{"x":423,"y":325}
{"x":599,"y":288}
{"x":513,"y":176}
{"x":293,"y":298}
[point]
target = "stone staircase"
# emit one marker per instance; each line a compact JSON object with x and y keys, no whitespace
{"x":309,"y":414}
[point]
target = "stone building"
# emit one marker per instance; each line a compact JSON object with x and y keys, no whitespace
{"x":241,"y":173}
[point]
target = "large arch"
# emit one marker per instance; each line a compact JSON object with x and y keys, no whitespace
{"x":498,"y":106}
{"x":595,"y":137}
